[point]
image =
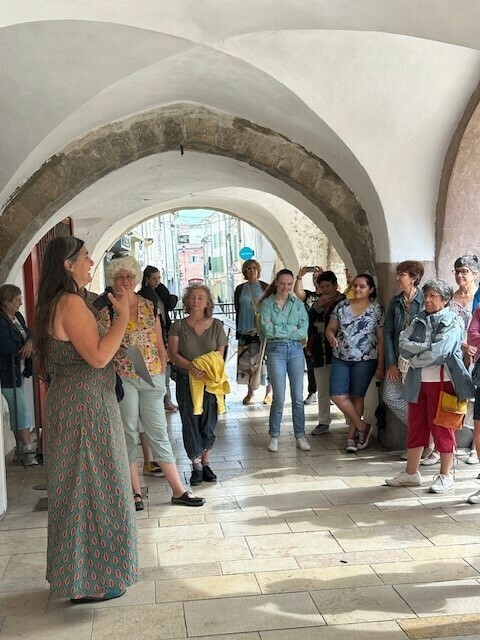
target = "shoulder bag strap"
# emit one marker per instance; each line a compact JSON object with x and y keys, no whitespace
{"x":254,"y":304}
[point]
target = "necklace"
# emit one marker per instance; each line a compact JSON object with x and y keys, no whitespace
{"x":199,"y":321}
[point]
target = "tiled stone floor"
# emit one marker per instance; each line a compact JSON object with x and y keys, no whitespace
{"x":293,"y":545}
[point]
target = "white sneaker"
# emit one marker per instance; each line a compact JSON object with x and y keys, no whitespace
{"x":30,"y":459}
{"x":310,"y":399}
{"x":432,"y":458}
{"x":351,"y":446}
{"x":404,"y":479}
{"x":474,"y":498}
{"x":473,"y":458}
{"x":441,"y":484}
{"x":302,"y":444}
{"x":273,"y":446}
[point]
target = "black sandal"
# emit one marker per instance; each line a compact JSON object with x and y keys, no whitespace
{"x":137,"y":498}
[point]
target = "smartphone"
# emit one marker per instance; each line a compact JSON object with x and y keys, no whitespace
{"x":311,"y":269}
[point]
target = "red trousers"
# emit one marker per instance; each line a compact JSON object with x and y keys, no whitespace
{"x":420,"y":420}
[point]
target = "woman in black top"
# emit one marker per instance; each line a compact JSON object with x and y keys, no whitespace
{"x":16,"y":347}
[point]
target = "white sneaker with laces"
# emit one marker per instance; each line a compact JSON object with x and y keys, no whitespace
{"x":351,"y":446}
{"x":310,"y":399}
{"x":302,"y":444}
{"x":364,"y":437}
{"x":441,"y":484}
{"x":404,"y":479}
{"x":473,"y":458}
{"x":273,"y":446}
{"x":474,"y":498}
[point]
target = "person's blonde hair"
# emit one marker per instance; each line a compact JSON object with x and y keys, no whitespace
{"x":186,"y":295}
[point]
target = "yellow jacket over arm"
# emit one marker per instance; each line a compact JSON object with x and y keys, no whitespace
{"x":216,"y":381}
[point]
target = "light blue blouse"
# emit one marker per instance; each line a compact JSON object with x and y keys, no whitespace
{"x":246,"y":317}
{"x":289,"y":323}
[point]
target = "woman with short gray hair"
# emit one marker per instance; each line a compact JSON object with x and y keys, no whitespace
{"x":466,"y":272}
{"x":432,"y":346}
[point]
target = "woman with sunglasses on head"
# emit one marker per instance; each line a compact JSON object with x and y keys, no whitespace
{"x":465,"y":270}
{"x":402,"y":308}
{"x":355,"y":333}
{"x":432,"y":346}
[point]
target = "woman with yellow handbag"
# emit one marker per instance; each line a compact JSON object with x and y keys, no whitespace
{"x":436,"y":379}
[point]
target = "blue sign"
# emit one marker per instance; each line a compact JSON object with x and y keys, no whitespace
{"x":246,"y":253}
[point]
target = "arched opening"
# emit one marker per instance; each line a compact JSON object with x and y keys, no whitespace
{"x":459,"y":192}
{"x":204,"y":136}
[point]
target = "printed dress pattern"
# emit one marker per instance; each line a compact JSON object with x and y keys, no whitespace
{"x":91,"y":523}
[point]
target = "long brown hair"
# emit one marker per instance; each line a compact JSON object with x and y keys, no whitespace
{"x":54,"y":282}
{"x":271,"y":290}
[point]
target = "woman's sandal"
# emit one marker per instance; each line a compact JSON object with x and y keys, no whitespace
{"x":108,"y":595}
{"x":137,"y":498}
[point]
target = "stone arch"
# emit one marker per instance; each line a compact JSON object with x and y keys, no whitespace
{"x":197,"y":128}
{"x":458,"y":205}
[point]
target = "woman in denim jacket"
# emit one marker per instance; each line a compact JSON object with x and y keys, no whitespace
{"x":432,"y":345}
{"x":402,"y":309}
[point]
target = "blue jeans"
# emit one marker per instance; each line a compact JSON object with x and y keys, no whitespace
{"x":21,"y":418}
{"x":286,"y":358}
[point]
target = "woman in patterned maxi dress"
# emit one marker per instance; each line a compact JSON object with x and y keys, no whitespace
{"x":91,"y":553}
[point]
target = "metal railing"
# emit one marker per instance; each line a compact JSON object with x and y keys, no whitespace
{"x":226,"y":309}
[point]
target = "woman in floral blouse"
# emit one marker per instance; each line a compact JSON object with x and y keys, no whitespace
{"x":355,"y":333}
{"x":141,"y":400}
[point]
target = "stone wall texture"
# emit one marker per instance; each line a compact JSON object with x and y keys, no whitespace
{"x":112,"y":146}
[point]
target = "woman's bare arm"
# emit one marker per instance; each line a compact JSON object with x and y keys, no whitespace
{"x":77,"y":323}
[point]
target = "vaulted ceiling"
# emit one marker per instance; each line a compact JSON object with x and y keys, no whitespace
{"x":374,"y":89}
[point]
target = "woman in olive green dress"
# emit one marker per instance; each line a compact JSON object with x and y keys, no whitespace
{"x":91,"y":554}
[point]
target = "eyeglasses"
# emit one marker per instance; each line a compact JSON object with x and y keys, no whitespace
{"x":431,"y":295}
{"x":129,"y":277}
{"x":462,"y":272}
